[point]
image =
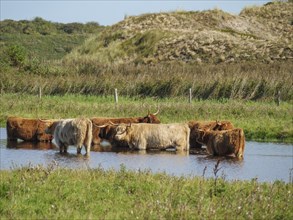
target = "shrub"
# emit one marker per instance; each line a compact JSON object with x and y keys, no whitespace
{"x":17,"y":55}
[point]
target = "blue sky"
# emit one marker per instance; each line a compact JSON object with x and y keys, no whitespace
{"x":109,"y":12}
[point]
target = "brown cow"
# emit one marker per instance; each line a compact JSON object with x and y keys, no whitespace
{"x":205,"y":125}
{"x":26,"y":129}
{"x":222,"y":143}
{"x":107,"y":132}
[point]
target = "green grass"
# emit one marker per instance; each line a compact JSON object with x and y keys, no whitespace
{"x":56,"y":193}
{"x":263,"y":121}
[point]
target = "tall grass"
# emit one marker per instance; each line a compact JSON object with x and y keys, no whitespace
{"x":55,"y":193}
{"x":248,"y":81}
{"x":260,"y":120}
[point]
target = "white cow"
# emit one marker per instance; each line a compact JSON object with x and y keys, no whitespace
{"x":72,"y":132}
{"x":154,"y":136}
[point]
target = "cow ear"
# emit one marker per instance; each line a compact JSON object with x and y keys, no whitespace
{"x":218,"y":122}
{"x":201,"y":131}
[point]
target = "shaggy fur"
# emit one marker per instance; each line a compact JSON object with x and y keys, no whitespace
{"x":154,"y":136}
{"x":72,"y":132}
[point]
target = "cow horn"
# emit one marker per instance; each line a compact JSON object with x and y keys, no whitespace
{"x":157,"y":112}
{"x":45,"y":121}
{"x":113,"y":123}
{"x":99,"y":126}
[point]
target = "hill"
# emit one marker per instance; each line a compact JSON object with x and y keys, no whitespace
{"x":257,"y":34}
{"x":43,"y":39}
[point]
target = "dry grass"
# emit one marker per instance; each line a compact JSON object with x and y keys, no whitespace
{"x":248,"y":81}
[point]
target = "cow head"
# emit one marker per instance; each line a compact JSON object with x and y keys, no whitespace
{"x":107,"y":131}
{"x":201,"y":136}
{"x":50,"y":126}
{"x":122,"y":132}
{"x":222,"y":125}
{"x":151,"y":118}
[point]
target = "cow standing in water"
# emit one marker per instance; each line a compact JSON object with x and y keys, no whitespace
{"x":223,"y":143}
{"x":27,"y":129}
{"x":72,"y":132}
{"x":103,"y":129}
{"x":196,"y":126}
{"x":154,"y":136}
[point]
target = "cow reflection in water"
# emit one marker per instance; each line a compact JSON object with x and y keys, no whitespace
{"x":127,"y":150}
{"x":31,"y":145}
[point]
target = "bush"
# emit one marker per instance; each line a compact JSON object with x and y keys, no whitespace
{"x":17,"y":55}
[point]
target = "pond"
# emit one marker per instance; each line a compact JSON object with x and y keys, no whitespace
{"x":264,"y":161}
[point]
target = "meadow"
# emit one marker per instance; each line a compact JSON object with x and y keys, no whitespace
{"x":262,"y":121}
{"x":56,"y":193}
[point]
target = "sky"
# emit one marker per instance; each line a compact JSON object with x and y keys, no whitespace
{"x":109,"y":12}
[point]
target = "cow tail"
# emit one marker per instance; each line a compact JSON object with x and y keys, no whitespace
{"x":9,"y":131}
{"x":89,"y":136}
{"x":241,"y":139}
{"x":187,"y":138}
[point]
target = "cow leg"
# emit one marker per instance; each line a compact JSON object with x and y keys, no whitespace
{"x":88,"y":149}
{"x":210,"y":150}
{"x":79,"y":149}
{"x":142,"y":145}
{"x":180,"y":148}
{"x":65,"y":148}
{"x":12,"y":139}
{"x":239,"y":154}
{"x":61,"y":147}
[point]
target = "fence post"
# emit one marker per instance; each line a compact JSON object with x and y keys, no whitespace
{"x":40,"y":92}
{"x":116,"y":96}
{"x":279,"y":98}
{"x":190,"y":95}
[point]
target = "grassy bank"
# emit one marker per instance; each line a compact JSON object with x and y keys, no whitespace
{"x":55,"y":193}
{"x":263,"y":121}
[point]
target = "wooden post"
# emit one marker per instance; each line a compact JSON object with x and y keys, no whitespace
{"x":279,"y":98}
{"x":116,"y":96}
{"x":40,"y":92}
{"x":190,"y":95}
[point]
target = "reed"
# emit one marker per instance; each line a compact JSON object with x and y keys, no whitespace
{"x":246,"y":81}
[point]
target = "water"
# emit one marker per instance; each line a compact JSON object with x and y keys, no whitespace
{"x":264,"y":161}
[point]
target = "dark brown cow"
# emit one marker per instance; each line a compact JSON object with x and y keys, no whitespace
{"x":205,"y":125}
{"x":26,"y":129}
{"x":107,"y":132}
{"x":223,"y":143}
